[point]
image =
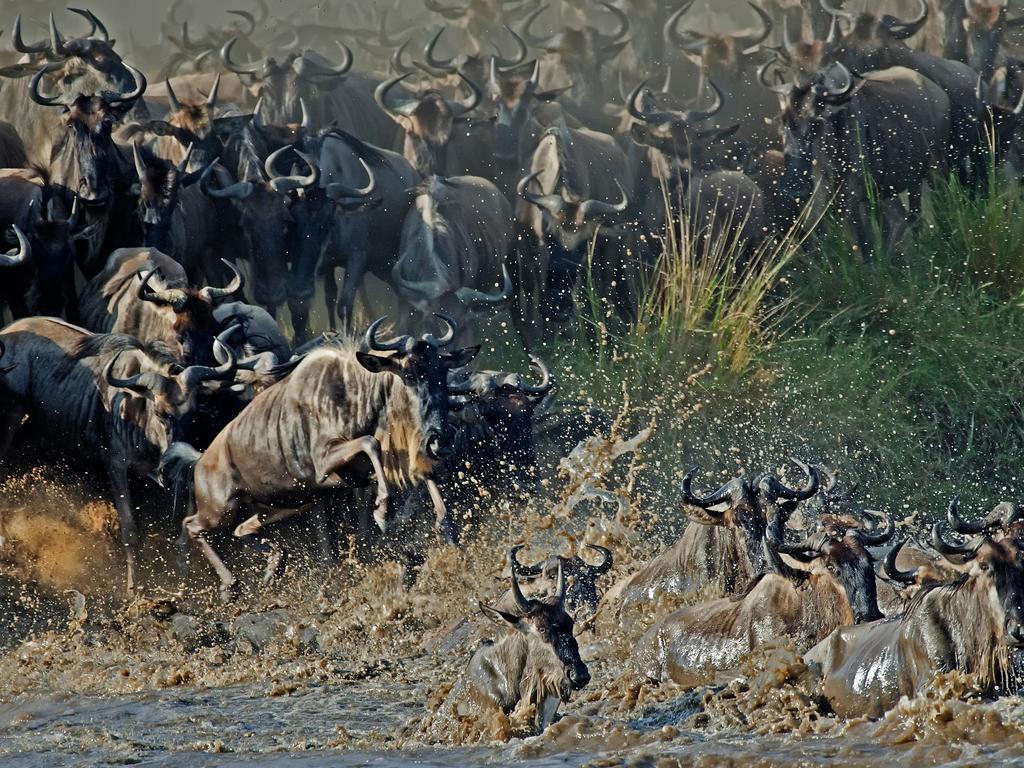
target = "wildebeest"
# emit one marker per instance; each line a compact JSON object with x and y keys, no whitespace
{"x":723,"y":550}
{"x":984,"y":25}
{"x":879,"y":134}
{"x":536,"y":662}
{"x":100,"y":393}
{"x":972,"y":623}
{"x":580,"y":576}
{"x":146,"y":294}
{"x":837,"y":589}
{"x":385,"y":415}
{"x":455,"y":239}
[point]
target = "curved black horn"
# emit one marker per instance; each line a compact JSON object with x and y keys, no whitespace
{"x":238,"y":191}
{"x":837,"y":12}
{"x":522,"y":604}
{"x":140,"y":383}
{"x":520,"y":54}
{"x":34,"y":83}
{"x":767,"y":25}
{"x":470,"y":103}
{"x":19,"y":256}
{"x":554,"y":204}
{"x":380,"y":95}
{"x":606,"y":563}
{"x":134,"y":94}
{"x":894,"y":573}
{"x":372,"y":342}
{"x":212,"y":294}
{"x":873,"y":537}
{"x":546,"y":381}
{"x":172,"y":97}
{"x":620,"y":17}
{"x":446,"y":338}
{"x":444,"y":65}
{"x":900,"y":29}
{"x":560,"y":583}
{"x":705,"y":502}
{"x":778,"y":490}
{"x":250,"y":68}
{"x":173,"y":298}
{"x":19,"y":43}
{"x":338,"y":191}
{"x":695,"y":115}
{"x":531,"y":38}
{"x":474,"y":296}
{"x":211,"y":99}
{"x":518,"y":568}
{"x":945,"y":548}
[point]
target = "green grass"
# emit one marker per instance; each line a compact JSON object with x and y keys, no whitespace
{"x":905,"y":374}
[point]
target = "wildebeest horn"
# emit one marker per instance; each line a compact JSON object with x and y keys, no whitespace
{"x":546,"y":382}
{"x":762,"y":76}
{"x":73,"y":221}
{"x":183,"y":165}
{"x":517,"y":567}
{"x":873,"y":537}
{"x":522,"y":604}
{"x":620,"y":17}
{"x":172,"y":98}
{"x":531,"y":38}
{"x":20,"y":45}
{"x":836,"y":85}
{"x":1002,"y":516}
{"x":140,"y":166}
{"x":696,"y":116}
{"x":637,"y":111}
{"x":250,"y":68}
{"x":835,"y":31}
{"x":134,"y":94}
{"x":693,"y":42}
{"x":837,"y":12}
{"x":598,"y":209}
{"x":449,"y":331}
{"x":174,"y":298}
{"x":33,"y":87}
{"x":473,"y":296}
{"x":372,"y":342}
{"x":380,"y":95}
{"x":321,"y":70}
{"x":766,"y":28}
{"x":57,"y":47}
{"x":140,"y":383}
{"x":248,"y":18}
{"x":705,"y":502}
{"x":19,"y":255}
{"x":212,"y":294}
{"x":211,"y":99}
{"x":606,"y":563}
{"x":521,"y":50}
{"x":894,"y":573}
{"x":338,"y":191}
{"x":95,"y":24}
{"x":560,"y":588}
{"x":776,"y":489}
{"x":805,"y":551}
{"x":398,"y":65}
{"x":967,"y":550}
{"x":445,"y":65}
{"x":195,"y":375}
{"x":238,"y":191}
{"x":468,"y":104}
{"x":282,"y":184}
{"x":555,"y":204}
{"x":900,"y":29}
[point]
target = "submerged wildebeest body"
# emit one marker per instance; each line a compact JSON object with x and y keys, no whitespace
{"x":371,"y":414}
{"x":972,"y":623}
{"x":100,"y":393}
{"x":536,"y":662}
{"x":838,"y":589}
{"x":722,"y":552}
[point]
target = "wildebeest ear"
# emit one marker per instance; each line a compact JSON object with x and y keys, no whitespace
{"x":460,"y":357}
{"x":499,"y":616}
{"x":376,"y":364}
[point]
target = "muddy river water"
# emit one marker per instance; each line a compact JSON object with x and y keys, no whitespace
{"x":344,"y":666}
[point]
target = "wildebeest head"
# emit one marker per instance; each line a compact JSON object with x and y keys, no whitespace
{"x":159,"y":186}
{"x":867,"y":35}
{"x":160,"y":397}
{"x":1003,"y":96}
{"x":681,"y":135}
{"x":194,"y":323}
{"x":514,"y":99}
{"x":798,"y":57}
{"x":995,"y":572}
{"x":581,"y":576}
{"x":584,"y":52}
{"x":841,"y":555}
{"x":503,"y":406}
{"x":548,"y":629}
{"x":428,"y":119}
{"x":478,"y":18}
{"x":985,"y":24}
{"x":573,"y":219}
{"x":281,"y":84}
{"x":806,"y":113}
{"x":423,"y":366}
{"x":472,"y":65}
{"x":719,"y":53}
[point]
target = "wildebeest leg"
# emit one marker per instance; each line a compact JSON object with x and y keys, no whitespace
{"x":195,"y":528}
{"x":355,"y":272}
{"x":10,"y":419}
{"x":442,"y":519}
{"x":324,"y":539}
{"x":331,"y":296}
{"x":338,"y":456}
{"x":117,"y":471}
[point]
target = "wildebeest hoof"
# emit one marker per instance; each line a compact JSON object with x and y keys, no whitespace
{"x":230,"y":592}
{"x":276,"y":562}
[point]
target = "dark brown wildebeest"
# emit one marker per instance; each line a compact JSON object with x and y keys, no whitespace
{"x":536,"y":662}
{"x":384,"y":417}
{"x":890,"y":126}
{"x":725,"y":549}
{"x":144,"y":293}
{"x":972,"y":623}
{"x":838,"y":588}
{"x":105,"y":394}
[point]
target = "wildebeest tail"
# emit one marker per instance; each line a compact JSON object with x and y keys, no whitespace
{"x":177,"y":472}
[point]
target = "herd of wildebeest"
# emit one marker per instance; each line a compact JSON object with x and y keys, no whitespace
{"x":529,"y":140}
